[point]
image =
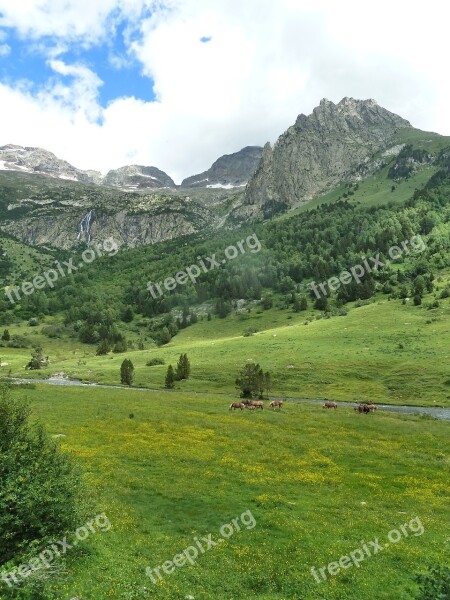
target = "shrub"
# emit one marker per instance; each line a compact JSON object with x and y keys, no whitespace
{"x":250,"y":331}
{"x":155,"y":361}
{"x":435,"y":584}
{"x":41,"y":487}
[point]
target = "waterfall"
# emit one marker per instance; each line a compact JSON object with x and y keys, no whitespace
{"x":85,"y":226}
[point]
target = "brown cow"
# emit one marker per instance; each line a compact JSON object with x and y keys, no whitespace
{"x":236,"y":406}
{"x":276,"y":404}
{"x":362,"y":408}
{"x":330,"y":405}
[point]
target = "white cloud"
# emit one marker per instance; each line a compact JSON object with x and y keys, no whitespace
{"x":5,"y":50}
{"x":266,"y":63}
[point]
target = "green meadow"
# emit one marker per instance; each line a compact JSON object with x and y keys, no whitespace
{"x":384,"y":351}
{"x":166,"y":468}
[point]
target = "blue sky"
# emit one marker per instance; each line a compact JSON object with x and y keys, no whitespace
{"x":177,"y":83}
{"x":29,"y":62}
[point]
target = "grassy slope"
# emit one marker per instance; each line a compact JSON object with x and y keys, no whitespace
{"x":184,"y":465}
{"x":356,"y":357}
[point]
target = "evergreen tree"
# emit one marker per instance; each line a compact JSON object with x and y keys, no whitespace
{"x":127,"y":315}
{"x":126,"y":372}
{"x":183,"y":367}
{"x":222,"y":308}
{"x":103,"y":348}
{"x":6,"y":336}
{"x":170,"y":378}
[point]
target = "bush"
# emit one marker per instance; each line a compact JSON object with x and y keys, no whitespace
{"x":40,"y":486}
{"x":435,"y":585}
{"x":155,"y":361}
{"x":33,"y":322}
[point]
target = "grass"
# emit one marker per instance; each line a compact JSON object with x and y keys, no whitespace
{"x":317,"y":483}
{"x":384,"y":351}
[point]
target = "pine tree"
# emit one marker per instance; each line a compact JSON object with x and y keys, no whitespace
{"x":103,"y":348}
{"x":126,"y":372}
{"x":170,"y":378}
{"x":6,"y":336}
{"x":183,"y":367}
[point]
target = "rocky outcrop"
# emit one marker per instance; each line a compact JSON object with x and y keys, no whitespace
{"x":229,"y":171}
{"x":317,"y":153}
{"x":138,"y":177}
{"x":65,"y":214}
{"x":36,"y":160}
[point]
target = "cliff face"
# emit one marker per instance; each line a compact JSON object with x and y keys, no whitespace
{"x":318,"y":152}
{"x":229,"y":171}
{"x":40,"y":211}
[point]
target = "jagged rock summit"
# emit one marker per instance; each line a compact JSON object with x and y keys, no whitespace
{"x":318,"y":152}
{"x":37,"y":160}
{"x":138,"y":177}
{"x":229,"y":171}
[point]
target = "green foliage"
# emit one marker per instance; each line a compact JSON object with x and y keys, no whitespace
{"x":120,"y":346}
{"x":267,"y":302}
{"x":252,"y":381}
{"x":127,"y":315}
{"x":6,"y":336}
{"x":170,"y":378}
{"x":222,"y":308}
{"x":38,"y":359}
{"x":103,"y":348}
{"x":155,"y":361}
{"x":40,"y":488}
{"x":407,"y":161}
{"x":183,"y":367}
{"x":126,"y":372}
{"x":435,"y":585}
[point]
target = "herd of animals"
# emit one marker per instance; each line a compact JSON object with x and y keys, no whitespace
{"x":363,"y":407}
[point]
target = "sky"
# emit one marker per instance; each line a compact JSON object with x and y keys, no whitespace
{"x":175,"y":84}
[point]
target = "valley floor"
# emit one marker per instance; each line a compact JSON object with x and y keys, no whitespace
{"x":168,"y":468}
{"x":384,"y":351}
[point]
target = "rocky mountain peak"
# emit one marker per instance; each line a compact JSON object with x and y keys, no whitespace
{"x":138,"y":177}
{"x":319,"y":151}
{"x":229,"y":171}
{"x":37,"y":160}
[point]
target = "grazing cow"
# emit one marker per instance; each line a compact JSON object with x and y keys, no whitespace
{"x":276,"y":404}
{"x":236,"y":406}
{"x":371,"y":406}
{"x":362,"y":408}
{"x":245,"y":402}
{"x":257,"y":404}
{"x":250,"y":407}
{"x":330,"y":405}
